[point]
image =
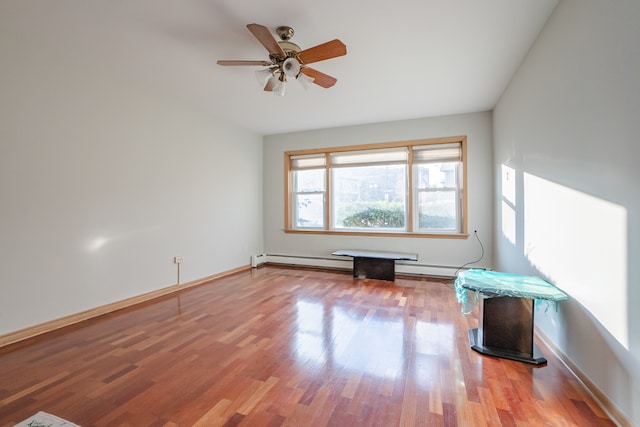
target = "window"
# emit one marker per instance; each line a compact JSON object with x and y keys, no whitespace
{"x":369,"y":189}
{"x":437,"y":187}
{"x":410,"y":188}
{"x":308,"y":174}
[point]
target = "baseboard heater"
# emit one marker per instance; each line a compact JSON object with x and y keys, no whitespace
{"x":347,"y":264}
{"x":256,"y":260}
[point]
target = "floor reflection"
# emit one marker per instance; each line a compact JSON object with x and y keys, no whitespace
{"x":310,"y":338}
{"x":374,"y":343}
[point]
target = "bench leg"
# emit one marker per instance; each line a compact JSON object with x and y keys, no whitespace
{"x":374,"y":268}
{"x":506,"y":330}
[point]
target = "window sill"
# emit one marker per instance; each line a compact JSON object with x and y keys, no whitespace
{"x":379,"y":233}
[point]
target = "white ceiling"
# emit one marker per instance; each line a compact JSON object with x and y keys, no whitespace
{"x":405,"y":59}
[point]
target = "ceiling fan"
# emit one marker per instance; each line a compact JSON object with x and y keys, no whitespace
{"x":287,"y":60}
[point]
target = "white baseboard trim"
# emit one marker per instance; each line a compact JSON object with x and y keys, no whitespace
{"x":52,"y":325}
{"x":605,"y":403}
{"x":340,"y":264}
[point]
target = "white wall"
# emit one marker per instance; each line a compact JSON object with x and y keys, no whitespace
{"x":440,"y":252}
{"x":565,"y":130}
{"x":104,"y":180}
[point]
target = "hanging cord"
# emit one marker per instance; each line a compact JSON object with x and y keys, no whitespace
{"x":473,"y":262}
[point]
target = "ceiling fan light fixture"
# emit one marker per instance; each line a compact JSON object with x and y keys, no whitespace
{"x":305,"y":80}
{"x":271,"y":83}
{"x":291,"y":67}
{"x":263,"y":76}
{"x":280,"y":88}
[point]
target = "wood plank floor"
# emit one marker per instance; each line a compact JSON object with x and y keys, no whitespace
{"x":280,"y":346}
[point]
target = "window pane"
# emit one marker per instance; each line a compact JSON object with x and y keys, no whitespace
{"x":369,"y":197}
{"x":308,"y":180}
{"x":309,"y":210}
{"x":437,"y":175}
{"x":437,"y":186}
{"x":437,"y":210}
{"x":308,"y":198}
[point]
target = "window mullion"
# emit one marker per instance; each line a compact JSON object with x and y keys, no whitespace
{"x":327,"y":193}
{"x":288,"y":193}
{"x":409,"y":190}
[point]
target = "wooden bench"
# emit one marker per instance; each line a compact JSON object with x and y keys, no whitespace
{"x":375,"y":264}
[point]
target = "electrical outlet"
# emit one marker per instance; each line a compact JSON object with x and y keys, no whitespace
{"x":177,"y":259}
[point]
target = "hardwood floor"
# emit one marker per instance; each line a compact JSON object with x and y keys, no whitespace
{"x":277,"y":346}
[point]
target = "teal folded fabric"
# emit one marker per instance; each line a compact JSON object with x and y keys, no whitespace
{"x":473,"y":285}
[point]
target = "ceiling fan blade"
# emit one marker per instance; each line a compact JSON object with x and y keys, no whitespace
{"x":233,"y":62}
{"x":265,"y":37}
{"x":321,"y":79}
{"x":323,"y":51}
{"x":270,"y":85}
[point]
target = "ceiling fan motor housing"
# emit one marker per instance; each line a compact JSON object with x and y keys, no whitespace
{"x":285,"y":32}
{"x":289,"y":48}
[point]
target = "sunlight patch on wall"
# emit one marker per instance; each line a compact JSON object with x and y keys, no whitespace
{"x":96,"y":244}
{"x":580,"y":243}
{"x":509,"y":222}
{"x":508,"y":217}
{"x":509,"y":184}
{"x":100,"y":241}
